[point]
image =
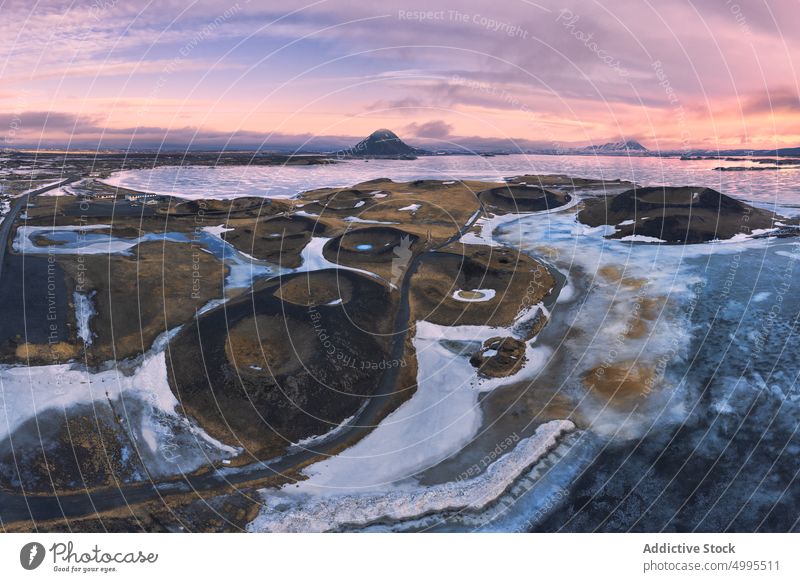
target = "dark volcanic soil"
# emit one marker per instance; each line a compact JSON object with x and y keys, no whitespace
{"x":373,"y":248}
{"x":521,"y":198}
{"x":676,"y":215}
{"x":348,"y":199}
{"x":518,"y":280}
{"x":279,"y":240}
{"x":34,"y":296}
{"x":263,"y":373}
{"x":499,"y":357}
{"x":53,"y":450}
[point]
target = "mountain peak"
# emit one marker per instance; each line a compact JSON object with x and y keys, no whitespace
{"x":382,"y":143}
{"x":627,"y":146}
{"x":383,"y":133}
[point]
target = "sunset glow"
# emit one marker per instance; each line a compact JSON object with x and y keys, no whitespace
{"x":316,"y":74}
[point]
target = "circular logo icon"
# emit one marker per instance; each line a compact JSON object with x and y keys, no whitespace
{"x":31,"y":555}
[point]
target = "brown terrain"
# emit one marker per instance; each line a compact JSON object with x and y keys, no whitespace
{"x":299,"y":353}
{"x":287,"y":361}
{"x":522,"y":197}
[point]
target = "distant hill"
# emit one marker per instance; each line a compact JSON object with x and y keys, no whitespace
{"x":617,"y":147}
{"x":383,"y":143}
{"x":791,"y":152}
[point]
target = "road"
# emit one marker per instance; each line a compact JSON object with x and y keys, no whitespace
{"x":20,"y":203}
{"x":19,"y":507}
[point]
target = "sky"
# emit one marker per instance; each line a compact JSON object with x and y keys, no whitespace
{"x":674,"y":74}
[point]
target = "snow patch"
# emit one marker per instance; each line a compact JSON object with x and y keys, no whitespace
{"x":314,"y":260}
{"x":217,"y":230}
{"x":484,"y":295}
{"x":171,"y":442}
{"x":641,"y":238}
{"x":359,"y":220}
{"x":317,"y":439}
{"x":84,"y":311}
{"x":282,"y":513}
{"x":411,"y":208}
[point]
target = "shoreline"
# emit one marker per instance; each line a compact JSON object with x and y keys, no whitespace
{"x":330,"y":513}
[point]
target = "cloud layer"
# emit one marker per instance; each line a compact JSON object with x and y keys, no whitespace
{"x":672,"y":74}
